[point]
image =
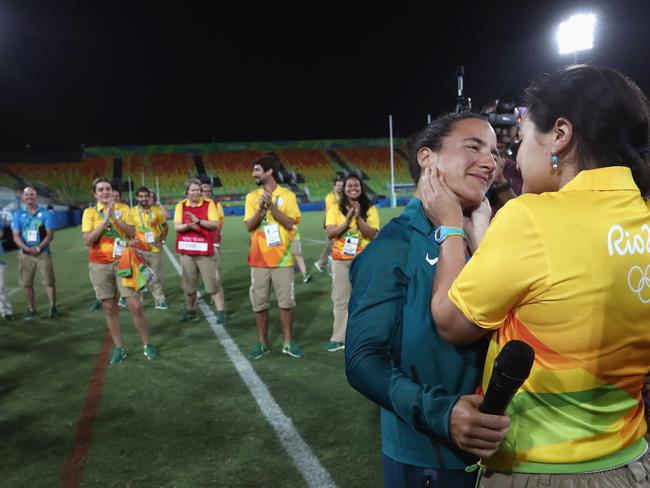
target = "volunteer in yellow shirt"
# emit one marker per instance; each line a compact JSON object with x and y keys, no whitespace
{"x":351,"y":225}
{"x":565,"y":268}
{"x":270,"y":216}
{"x":106,"y":232}
{"x":331,"y":199}
{"x":151,"y":229}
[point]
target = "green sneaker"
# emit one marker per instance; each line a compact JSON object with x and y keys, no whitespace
{"x":292,"y":349}
{"x":162,"y":305}
{"x":258,"y":351}
{"x":8,"y":316}
{"x":122,"y":302}
{"x":53,"y":314}
{"x":334,"y":346}
{"x":307,"y":278}
{"x":150,"y":352}
{"x":96,"y":306}
{"x":221,"y":318}
{"x":189,"y":317}
{"x":119,"y":355}
{"x":30,"y":314}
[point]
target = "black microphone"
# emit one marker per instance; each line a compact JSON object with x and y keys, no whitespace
{"x":511,"y":368}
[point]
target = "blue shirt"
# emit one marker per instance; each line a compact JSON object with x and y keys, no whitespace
{"x":393,"y":354}
{"x":32,"y":227}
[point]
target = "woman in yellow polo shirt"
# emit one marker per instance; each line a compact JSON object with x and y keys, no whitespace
{"x":565,"y":268}
{"x":106,"y":232}
{"x":352,"y":224}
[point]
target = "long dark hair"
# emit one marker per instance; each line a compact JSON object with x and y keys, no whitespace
{"x":364,"y":201}
{"x":609,"y":114}
{"x":431,"y":136}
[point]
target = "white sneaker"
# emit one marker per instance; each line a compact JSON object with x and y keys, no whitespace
{"x":319,"y":267}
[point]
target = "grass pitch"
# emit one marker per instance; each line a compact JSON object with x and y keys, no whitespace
{"x":187,"y":419}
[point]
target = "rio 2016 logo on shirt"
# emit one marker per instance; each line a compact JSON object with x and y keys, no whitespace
{"x":639,"y":282}
{"x":622,"y":242}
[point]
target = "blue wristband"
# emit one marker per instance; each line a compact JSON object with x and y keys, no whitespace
{"x":443,"y":232}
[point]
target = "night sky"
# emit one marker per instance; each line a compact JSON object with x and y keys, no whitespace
{"x":122,"y":75}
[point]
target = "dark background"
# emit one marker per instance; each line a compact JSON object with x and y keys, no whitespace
{"x":114,"y":74}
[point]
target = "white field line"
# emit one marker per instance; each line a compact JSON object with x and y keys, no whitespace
{"x":306,"y":462}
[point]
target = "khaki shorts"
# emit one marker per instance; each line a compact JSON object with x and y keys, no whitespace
{"x":296,"y":247}
{"x":27,"y":266}
{"x":634,"y":474}
{"x":195,"y":266}
{"x":261,"y":279}
{"x":106,"y":283}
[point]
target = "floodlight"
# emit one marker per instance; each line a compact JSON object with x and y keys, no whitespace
{"x":576,"y":34}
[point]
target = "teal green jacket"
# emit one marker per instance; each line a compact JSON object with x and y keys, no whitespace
{"x":393,"y":354}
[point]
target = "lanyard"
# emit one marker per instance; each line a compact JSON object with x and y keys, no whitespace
{"x":31,"y":218}
{"x":142,"y":220}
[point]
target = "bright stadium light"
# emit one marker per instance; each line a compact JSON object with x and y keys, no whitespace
{"x":576,"y":34}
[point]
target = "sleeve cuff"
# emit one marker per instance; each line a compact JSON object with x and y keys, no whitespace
{"x":459,"y":303}
{"x":422,"y":406}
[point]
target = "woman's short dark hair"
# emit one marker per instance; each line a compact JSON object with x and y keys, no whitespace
{"x":100,"y":179}
{"x":364,"y":201}
{"x":431,"y":136}
{"x":609,"y":114}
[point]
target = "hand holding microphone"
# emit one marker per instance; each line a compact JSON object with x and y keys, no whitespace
{"x":478,"y":424}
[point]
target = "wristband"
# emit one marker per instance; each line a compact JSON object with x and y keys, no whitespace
{"x":443,"y":232}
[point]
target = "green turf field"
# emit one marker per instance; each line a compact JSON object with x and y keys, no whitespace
{"x":187,"y":419}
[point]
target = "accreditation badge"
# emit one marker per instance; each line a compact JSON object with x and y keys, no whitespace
{"x":118,"y":247}
{"x":272,"y":234}
{"x":351,"y":245}
{"x":32,"y":236}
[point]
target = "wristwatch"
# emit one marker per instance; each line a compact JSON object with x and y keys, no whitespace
{"x":442,"y":232}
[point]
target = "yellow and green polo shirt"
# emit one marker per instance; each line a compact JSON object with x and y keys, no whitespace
{"x":262,"y":255}
{"x":335,"y":217}
{"x":568,"y":273}
{"x":101,"y":252}
{"x":150,"y":220}
{"x":331,"y":200}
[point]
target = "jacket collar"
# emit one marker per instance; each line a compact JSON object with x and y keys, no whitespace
{"x":417,"y":219}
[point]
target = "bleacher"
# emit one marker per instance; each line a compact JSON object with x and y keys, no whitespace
{"x":316,"y":168}
{"x":63,"y":182}
{"x":375,"y":163}
{"x":234,"y":169}
{"x":172,"y":171}
{"x":317,"y":162}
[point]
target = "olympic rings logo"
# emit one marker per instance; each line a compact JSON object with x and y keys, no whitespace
{"x":638,"y":280}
